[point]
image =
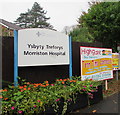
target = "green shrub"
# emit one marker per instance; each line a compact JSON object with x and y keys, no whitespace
{"x":35,"y":97}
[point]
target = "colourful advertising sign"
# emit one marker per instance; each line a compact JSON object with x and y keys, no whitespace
{"x":96,"y":63}
{"x":119,"y":62}
{"x":115,"y":61}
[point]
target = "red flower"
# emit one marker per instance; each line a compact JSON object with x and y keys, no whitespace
{"x":5,"y":90}
{"x":46,"y":81}
{"x":35,"y":106}
{"x":21,"y":87}
{"x":13,"y":108}
{"x":5,"y":98}
{"x":29,"y":88}
{"x":24,"y":88}
{"x":60,"y":79}
{"x":52,"y":84}
{"x":20,"y":112}
{"x":57,"y":100}
{"x":38,"y":100}
{"x":47,"y":84}
{"x":91,"y":85}
{"x":84,"y":89}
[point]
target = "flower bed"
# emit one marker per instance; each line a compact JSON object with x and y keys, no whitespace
{"x":63,"y":96}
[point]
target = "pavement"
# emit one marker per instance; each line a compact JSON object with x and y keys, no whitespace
{"x":109,"y":105}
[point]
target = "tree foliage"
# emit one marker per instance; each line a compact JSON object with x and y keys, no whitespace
{"x":103,"y":23}
{"x":81,"y":35}
{"x":34,"y":18}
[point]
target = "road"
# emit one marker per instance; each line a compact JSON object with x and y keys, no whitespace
{"x":110,"y":105}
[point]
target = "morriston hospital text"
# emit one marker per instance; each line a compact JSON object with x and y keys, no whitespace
{"x":29,"y":53}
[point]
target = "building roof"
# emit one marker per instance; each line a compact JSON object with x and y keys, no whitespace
{"x":9,"y":25}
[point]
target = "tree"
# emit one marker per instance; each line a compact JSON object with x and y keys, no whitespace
{"x":103,"y":23}
{"x":34,"y":18}
{"x":81,"y":35}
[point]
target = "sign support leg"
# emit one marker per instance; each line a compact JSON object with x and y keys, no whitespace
{"x":70,"y":57}
{"x":117,"y":75}
{"x":15,"y":58}
{"x":106,"y":85}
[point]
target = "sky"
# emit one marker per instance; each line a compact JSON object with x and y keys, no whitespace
{"x":61,"y":12}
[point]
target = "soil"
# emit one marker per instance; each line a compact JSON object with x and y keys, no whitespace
{"x":113,"y":86}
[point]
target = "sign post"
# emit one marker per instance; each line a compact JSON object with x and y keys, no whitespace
{"x":70,"y":53}
{"x":15,"y":58}
{"x":106,"y":85}
{"x":117,"y":75}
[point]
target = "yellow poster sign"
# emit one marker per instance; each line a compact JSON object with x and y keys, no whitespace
{"x":115,"y":61}
{"x":96,"y":63}
{"x":95,"y":66}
